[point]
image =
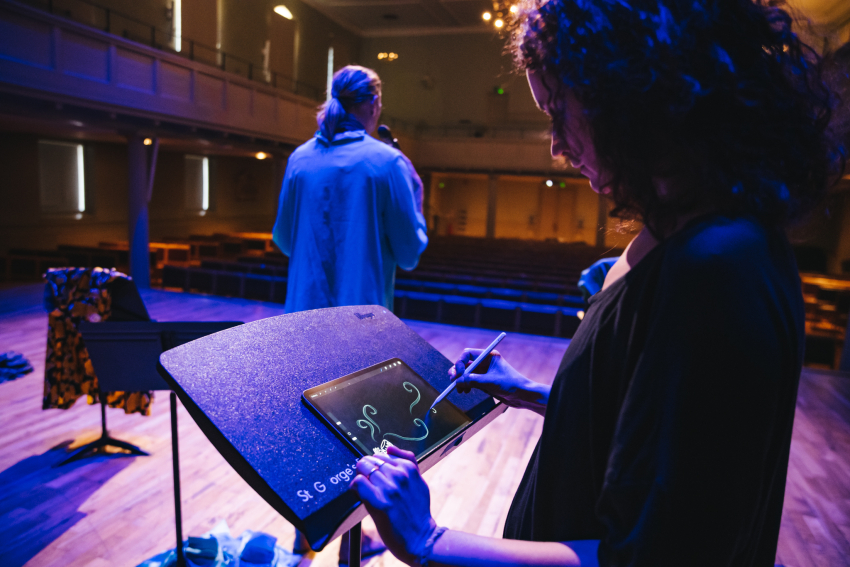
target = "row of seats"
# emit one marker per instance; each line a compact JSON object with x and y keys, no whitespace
{"x":227,"y":283}
{"x":503,"y":280}
{"x":31,"y":264}
{"x":485,"y":292}
{"x":479,"y":307}
{"x":500,"y":314}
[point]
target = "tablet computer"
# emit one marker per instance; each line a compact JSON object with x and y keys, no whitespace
{"x":386,"y":404}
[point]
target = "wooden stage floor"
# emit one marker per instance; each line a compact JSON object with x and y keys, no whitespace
{"x":118,"y":510}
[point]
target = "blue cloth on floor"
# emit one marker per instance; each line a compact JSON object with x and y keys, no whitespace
{"x":259,"y":550}
{"x":13,"y":365}
{"x":218,"y":548}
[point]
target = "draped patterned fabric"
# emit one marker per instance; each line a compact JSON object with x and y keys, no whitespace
{"x":70,"y":296}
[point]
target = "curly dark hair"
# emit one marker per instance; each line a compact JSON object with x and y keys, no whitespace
{"x":718,"y":94}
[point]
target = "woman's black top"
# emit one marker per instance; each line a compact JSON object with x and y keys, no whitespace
{"x":669,"y":423}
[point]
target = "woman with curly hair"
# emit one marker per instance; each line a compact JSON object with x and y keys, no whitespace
{"x":668,"y":425}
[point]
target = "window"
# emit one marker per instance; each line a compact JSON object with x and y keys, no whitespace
{"x":330,"y":72}
{"x":197,"y":182}
{"x":62,"y":179}
{"x":177,"y":7}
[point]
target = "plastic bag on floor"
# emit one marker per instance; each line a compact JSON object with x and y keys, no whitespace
{"x":218,"y":548}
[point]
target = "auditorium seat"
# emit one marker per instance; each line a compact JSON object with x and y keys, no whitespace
{"x":506,"y":294}
{"x":460,"y":310}
{"x":175,"y":277}
{"x":538,"y":319}
{"x":258,"y":287}
{"x":213,"y":265}
{"x":499,"y":314}
{"x":569,"y":322}
{"x":421,"y":306}
{"x":228,"y":284}
{"x":201,"y":280}
{"x":279,"y":290}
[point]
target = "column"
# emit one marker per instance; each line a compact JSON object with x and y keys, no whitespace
{"x":492,"y":194}
{"x":137,"y":185}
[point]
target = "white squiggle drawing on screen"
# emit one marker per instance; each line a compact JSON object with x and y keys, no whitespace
{"x":418,"y":395}
{"x":372,"y":425}
{"x":369,"y":422}
{"x":418,"y":422}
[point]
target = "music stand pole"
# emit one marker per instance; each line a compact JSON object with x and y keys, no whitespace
{"x":175,"y":459}
{"x":354,"y":542}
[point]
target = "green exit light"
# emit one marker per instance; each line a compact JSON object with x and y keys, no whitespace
{"x":441,"y":185}
{"x":499,"y":90}
{"x":563,"y":184}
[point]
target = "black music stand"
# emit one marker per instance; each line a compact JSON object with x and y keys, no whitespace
{"x":243,"y":388}
{"x":127,"y":305}
{"x":125,"y":356}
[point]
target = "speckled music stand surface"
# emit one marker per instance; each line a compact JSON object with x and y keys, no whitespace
{"x":243,"y":388}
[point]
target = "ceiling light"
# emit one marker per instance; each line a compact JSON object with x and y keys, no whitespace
{"x":499,"y":23}
{"x":261,"y":155}
{"x":283,"y":11}
{"x":382,"y":55}
{"x":487,"y":16}
{"x":392,"y":56}
{"x":148,"y":141}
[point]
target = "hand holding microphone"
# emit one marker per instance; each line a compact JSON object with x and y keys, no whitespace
{"x":386,"y":136}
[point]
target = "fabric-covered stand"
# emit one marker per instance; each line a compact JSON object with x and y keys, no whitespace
{"x":71,"y":296}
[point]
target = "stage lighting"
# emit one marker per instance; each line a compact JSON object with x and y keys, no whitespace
{"x":148,"y":141}
{"x":486,"y":16}
{"x":499,"y":23}
{"x":261,"y":155}
{"x":549,"y":183}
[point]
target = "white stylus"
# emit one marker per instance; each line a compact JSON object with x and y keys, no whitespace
{"x":469,"y":369}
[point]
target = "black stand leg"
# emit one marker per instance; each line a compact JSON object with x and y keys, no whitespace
{"x":175,"y":460}
{"x":104,"y":441}
{"x":354,"y":545}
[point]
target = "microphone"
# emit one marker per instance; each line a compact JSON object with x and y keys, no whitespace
{"x":386,"y":136}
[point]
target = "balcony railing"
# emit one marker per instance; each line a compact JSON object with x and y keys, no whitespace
{"x":117,"y":23}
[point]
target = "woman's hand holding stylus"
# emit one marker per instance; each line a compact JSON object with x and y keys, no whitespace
{"x":502,"y":381}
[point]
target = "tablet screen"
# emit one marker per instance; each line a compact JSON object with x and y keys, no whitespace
{"x":386,"y":404}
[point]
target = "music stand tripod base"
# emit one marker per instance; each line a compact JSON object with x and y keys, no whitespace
{"x":99,"y":445}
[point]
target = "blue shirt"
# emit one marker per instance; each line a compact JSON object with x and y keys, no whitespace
{"x":346,"y":218}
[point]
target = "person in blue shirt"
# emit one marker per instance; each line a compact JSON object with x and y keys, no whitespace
{"x":350,"y":211}
{"x":350,"y":207}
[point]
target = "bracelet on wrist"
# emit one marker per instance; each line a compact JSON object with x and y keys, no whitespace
{"x":429,"y":546}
